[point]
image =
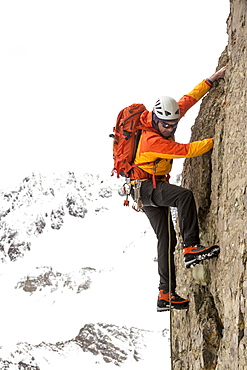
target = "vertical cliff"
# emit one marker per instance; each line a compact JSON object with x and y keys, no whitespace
{"x":212,"y":334}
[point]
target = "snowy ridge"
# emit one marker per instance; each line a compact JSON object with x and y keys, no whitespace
{"x":96,"y":344}
{"x":42,"y":202}
{"x":45,"y":278}
{"x":65,"y":274}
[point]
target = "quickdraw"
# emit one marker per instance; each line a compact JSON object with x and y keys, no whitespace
{"x":135,"y":186}
{"x":137,"y":206}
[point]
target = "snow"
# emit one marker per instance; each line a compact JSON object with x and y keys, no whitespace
{"x":123,"y":291}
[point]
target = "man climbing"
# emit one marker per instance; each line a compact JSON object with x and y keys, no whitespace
{"x":157,"y":149}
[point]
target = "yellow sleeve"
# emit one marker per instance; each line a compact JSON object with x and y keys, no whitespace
{"x":200,"y":90}
{"x":171,"y":149}
{"x":200,"y":147}
{"x":188,"y":100}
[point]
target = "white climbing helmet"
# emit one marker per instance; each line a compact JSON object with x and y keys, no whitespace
{"x":166,"y":108}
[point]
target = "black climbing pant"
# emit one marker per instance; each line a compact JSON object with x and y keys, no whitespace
{"x":155,"y":205}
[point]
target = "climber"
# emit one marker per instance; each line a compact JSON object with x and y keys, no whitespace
{"x":157,"y":150}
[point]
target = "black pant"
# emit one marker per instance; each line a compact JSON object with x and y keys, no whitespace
{"x":155,"y":205}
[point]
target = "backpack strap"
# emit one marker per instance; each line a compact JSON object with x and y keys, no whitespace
{"x":152,"y":129}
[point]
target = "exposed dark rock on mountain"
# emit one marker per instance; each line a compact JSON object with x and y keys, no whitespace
{"x":43,"y":205}
{"x":44,"y":278}
{"x":43,"y":202}
{"x":108,"y":343}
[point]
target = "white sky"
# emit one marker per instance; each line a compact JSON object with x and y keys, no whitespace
{"x":68,"y":67}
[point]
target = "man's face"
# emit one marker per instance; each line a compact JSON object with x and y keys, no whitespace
{"x":167,"y":128}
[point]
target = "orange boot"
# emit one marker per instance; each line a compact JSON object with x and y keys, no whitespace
{"x":165,"y":299}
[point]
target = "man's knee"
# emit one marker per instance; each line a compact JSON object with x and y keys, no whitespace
{"x":186,"y":194}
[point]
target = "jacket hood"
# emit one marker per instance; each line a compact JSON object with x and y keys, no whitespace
{"x":146,"y":118}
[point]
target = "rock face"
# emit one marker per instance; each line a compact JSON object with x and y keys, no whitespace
{"x":212,"y":334}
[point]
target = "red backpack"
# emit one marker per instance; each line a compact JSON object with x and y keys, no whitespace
{"x":126,"y":136}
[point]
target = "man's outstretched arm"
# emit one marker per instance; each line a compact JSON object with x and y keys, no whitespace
{"x":218,"y":74}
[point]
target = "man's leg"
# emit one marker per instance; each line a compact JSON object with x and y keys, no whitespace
{"x":158,"y":217}
{"x":175,"y":196}
{"x":171,"y":195}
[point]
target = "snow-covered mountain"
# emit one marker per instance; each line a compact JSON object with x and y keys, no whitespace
{"x":78,"y":277}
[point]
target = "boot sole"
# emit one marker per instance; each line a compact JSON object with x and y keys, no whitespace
{"x":212,"y":254}
{"x":167,"y":308}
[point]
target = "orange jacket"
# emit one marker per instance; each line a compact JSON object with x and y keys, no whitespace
{"x":153,"y":146}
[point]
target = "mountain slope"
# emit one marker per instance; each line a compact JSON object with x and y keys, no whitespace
{"x":69,"y":284}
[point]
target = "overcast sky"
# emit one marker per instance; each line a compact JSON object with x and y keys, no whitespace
{"x":68,"y":67}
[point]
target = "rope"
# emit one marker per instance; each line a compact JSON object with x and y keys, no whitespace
{"x":170,"y":282}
